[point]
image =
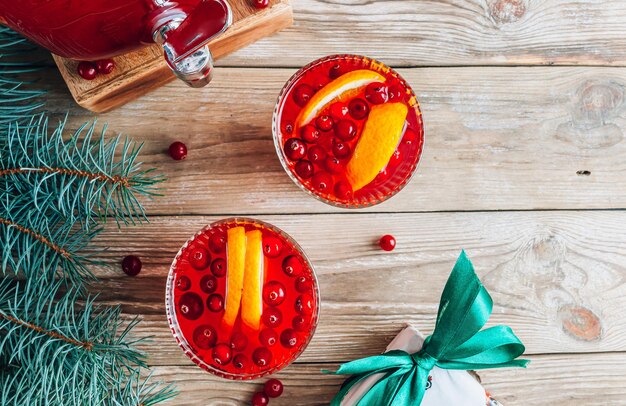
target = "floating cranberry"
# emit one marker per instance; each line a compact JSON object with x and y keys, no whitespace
{"x":222,"y":354}
{"x":272,"y":317}
{"x":299,"y":323}
{"x":183,"y":283}
{"x":304,"y":169}
{"x":359,"y":109}
{"x":289,"y":338}
{"x":338,"y":111}
{"x":295,"y":149}
{"x":87,"y":70}
{"x":343,"y":190}
{"x":304,"y":304}
{"x":274,"y":293}
{"x":199,"y":258}
{"x":240,"y":361}
{"x":377,"y":93}
{"x":272,"y":246}
{"x":178,"y":151}
{"x":273,"y":388}
{"x":215,"y":302}
{"x":238,"y":341}
{"x":322,"y":182}
{"x":341,"y":150}
{"x":218,"y":267}
{"x":292,"y":265}
{"x":303,"y":284}
{"x":208,"y":284}
{"x":288,"y":128}
{"x":260,"y":399}
{"x":336,"y":71}
{"x":345,"y":130}
{"x":387,"y":242}
{"x":217,"y":242}
{"x":105,"y":66}
{"x":205,"y":336}
{"x":262,"y":357}
{"x":333,"y":165}
{"x":395,"y":93}
{"x":310,"y":133}
{"x":191,"y":306}
{"x":131,"y":265}
{"x":324,"y":123}
{"x":268,"y":337}
{"x":316,"y":154}
{"x":302,"y":94}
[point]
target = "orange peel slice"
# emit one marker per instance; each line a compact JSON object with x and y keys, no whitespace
{"x":252,"y":299}
{"x":236,"y":257}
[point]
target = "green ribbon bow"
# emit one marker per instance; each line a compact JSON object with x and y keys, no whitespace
{"x":457,"y":343}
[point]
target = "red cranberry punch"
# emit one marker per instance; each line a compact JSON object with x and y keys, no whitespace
{"x":348,"y":130}
{"x":99,"y":29}
{"x":242,"y":299}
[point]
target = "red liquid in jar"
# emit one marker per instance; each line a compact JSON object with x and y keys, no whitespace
{"x":316,"y":76}
{"x":197,"y":290}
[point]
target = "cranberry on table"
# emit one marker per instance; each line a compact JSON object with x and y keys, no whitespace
{"x":302,"y":94}
{"x":387,"y":242}
{"x":295,"y":149}
{"x":240,"y":361}
{"x":316,"y":154}
{"x":272,"y":317}
{"x":304,"y":169}
{"x":208,"y":284}
{"x":87,"y":70}
{"x":205,"y":336}
{"x":322,"y":182}
{"x":260,"y":399}
{"x":178,"y":150}
{"x":218,"y":267}
{"x":131,"y":265}
{"x":310,"y":133}
{"x":222,"y":354}
{"x":262,"y":357}
{"x":343,"y":190}
{"x":199,"y":258}
{"x":345,"y":130}
{"x":215,"y":302}
{"x":338,"y":110}
{"x":217,"y":242}
{"x":292,"y":265}
{"x":289,"y":338}
{"x":268,"y":337}
{"x":260,"y":3}
{"x":377,"y":93}
{"x":341,"y":150}
{"x":272,"y":246}
{"x":333,"y":165}
{"x":105,"y":66}
{"x":238,"y":341}
{"x":191,"y":306}
{"x":359,"y":109}
{"x":273,"y":388}
{"x":183,"y":283}
{"x":324,"y":123}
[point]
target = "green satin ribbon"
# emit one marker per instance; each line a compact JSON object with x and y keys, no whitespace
{"x":457,"y":343}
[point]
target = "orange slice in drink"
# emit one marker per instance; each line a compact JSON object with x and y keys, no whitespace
{"x":236,"y":257}
{"x":252,"y":300}
{"x":343,"y":88}
{"x":379,"y":139}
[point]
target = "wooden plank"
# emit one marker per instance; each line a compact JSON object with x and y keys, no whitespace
{"x":593,"y":379}
{"x":139,"y":72}
{"x":449,"y":32}
{"x":555,"y":277}
{"x":496,"y":139}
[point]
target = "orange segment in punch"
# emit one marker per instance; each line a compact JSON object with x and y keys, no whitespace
{"x":236,"y":257}
{"x":252,"y":300}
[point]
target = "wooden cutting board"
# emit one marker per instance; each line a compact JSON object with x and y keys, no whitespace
{"x":139,"y":72}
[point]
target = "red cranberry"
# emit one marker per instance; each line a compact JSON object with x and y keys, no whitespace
{"x":377,"y":93}
{"x":205,"y":336}
{"x":217,"y":242}
{"x":343,"y":190}
{"x":183,"y":283}
{"x":262,"y":357}
{"x":208,"y":284}
{"x":289,"y":338}
{"x":238,"y":341}
{"x":310,"y":133}
{"x":218,"y":267}
{"x":199,"y":258}
{"x":274,"y":293}
{"x":304,"y":304}
{"x":322,"y":182}
{"x":316,"y":154}
{"x":303,"y":284}
{"x":395,"y":93}
{"x":222,"y":354}
{"x":324,"y":123}
{"x":304,"y":169}
{"x":320,"y":83}
{"x":345,"y":130}
{"x":292,"y":265}
{"x":178,"y":151}
{"x":338,"y":111}
{"x":273,"y":388}
{"x":260,"y":399}
{"x":105,"y":66}
{"x":131,"y":265}
{"x":387,"y":242}
{"x":272,"y":317}
{"x":268,"y":337}
{"x":240,"y":361}
{"x":272,"y":246}
{"x":359,"y":109}
{"x":260,"y":3}
{"x":341,"y":150}
{"x":191,"y":306}
{"x":215,"y":302}
{"x":87,"y":70}
{"x":336,"y":71}
{"x":288,"y":128}
{"x":295,"y":149}
{"x":299,"y":323}
{"x":302,"y":94}
{"x":333,"y":165}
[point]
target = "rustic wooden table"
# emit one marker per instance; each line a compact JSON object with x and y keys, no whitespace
{"x":523,"y":104}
